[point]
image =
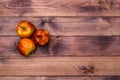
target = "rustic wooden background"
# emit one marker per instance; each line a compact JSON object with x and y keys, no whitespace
{"x":84,"y":45}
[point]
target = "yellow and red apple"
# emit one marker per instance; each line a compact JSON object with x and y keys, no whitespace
{"x":25,"y":29}
{"x":26,"y":46}
{"x":41,"y":37}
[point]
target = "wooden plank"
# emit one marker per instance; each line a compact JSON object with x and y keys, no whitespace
{"x":59,"y":78}
{"x":67,"y":46}
{"x":22,"y":78}
{"x":66,"y":26}
{"x":61,"y":66}
{"x":60,"y":8}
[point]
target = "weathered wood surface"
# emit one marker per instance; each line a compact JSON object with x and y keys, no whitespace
{"x":85,"y":39}
{"x":67,"y":46}
{"x":59,"y":7}
{"x":69,"y":66}
{"x":60,"y":78}
{"x":66,"y":26}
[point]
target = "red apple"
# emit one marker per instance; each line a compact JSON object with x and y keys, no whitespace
{"x":26,"y":46}
{"x":41,"y":37}
{"x":25,"y":29}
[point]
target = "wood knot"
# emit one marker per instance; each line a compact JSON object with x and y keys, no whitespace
{"x":105,"y":4}
{"x":42,"y":23}
{"x":47,"y":20}
{"x":87,"y":69}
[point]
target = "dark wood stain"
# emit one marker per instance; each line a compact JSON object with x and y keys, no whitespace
{"x":3,"y":60}
{"x":112,"y":78}
{"x":60,"y":48}
{"x":30,"y":78}
{"x":50,"y":21}
{"x":45,"y":48}
{"x":53,"y":25}
{"x":51,"y":78}
{"x":103,"y":41}
{"x":0,"y":29}
{"x":57,"y":45}
{"x":42,"y":23}
{"x":99,"y":7}
{"x":20,"y":3}
{"x":1,"y":52}
{"x":14,"y":48}
{"x":41,"y":50}
{"x":107,"y":19}
{"x":88,"y":8}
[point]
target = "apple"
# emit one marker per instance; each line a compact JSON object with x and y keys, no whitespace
{"x":41,"y":37}
{"x":26,"y":46}
{"x":25,"y":29}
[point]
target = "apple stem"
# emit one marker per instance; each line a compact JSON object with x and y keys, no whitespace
{"x":39,"y":36}
{"x":23,"y":27}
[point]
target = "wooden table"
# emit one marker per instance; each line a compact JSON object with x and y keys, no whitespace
{"x":84,"y":45}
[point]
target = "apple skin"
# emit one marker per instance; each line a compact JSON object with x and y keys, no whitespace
{"x":41,"y":37}
{"x":26,"y":46}
{"x":25,"y":29}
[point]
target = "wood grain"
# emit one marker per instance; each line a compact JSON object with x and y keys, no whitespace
{"x":67,"y":46}
{"x":85,"y":40}
{"x":58,"y":78}
{"x":61,"y":66}
{"x":66,"y":26}
{"x":59,"y":8}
